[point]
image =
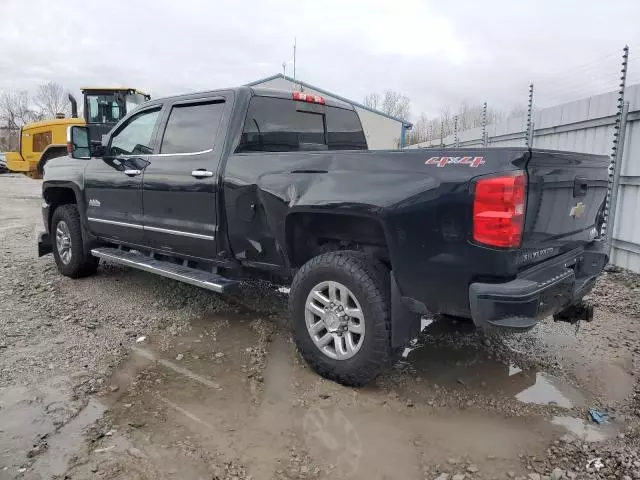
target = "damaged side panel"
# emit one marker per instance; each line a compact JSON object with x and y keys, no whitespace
{"x":404,"y":194}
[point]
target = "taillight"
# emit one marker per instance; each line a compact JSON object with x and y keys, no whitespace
{"x":498,"y":209}
{"x":307,"y":97}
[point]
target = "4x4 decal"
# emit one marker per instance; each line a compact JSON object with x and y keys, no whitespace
{"x":472,"y":162}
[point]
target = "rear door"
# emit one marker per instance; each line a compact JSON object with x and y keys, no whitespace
{"x":181,"y":182}
{"x":113,"y":184}
{"x":565,"y":201}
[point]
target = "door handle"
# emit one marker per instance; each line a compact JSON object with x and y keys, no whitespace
{"x":201,"y":173}
{"x":132,"y":173}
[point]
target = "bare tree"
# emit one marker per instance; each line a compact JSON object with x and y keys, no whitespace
{"x":395,"y":104}
{"x":372,"y":100}
{"x":392,"y":103}
{"x":16,"y":109}
{"x":51,"y":100}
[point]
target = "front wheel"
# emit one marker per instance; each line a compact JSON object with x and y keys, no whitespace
{"x":341,"y":316}
{"x":68,"y":248}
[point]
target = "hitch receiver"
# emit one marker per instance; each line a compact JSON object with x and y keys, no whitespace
{"x":575,"y":313}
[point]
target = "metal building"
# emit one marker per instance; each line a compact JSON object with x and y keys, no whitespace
{"x":382,"y":131}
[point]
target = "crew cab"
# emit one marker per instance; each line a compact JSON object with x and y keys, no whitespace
{"x":214,"y":187}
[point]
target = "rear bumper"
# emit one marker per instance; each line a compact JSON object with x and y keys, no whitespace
{"x":541,"y":291}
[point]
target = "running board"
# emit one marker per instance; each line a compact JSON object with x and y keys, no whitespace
{"x":193,"y":276}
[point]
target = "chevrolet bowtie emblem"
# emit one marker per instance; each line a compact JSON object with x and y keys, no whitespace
{"x":577,"y":211}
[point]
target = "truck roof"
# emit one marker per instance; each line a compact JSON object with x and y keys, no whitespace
{"x":252,"y":91}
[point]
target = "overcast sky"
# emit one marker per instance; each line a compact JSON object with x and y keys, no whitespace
{"x":437,"y":53}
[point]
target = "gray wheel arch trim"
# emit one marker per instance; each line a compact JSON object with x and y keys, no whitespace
{"x":80,"y":202}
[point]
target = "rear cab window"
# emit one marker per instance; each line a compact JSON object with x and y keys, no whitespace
{"x":284,"y":125}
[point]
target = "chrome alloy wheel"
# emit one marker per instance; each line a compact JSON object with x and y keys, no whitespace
{"x":335,"y":320}
{"x":63,"y":242}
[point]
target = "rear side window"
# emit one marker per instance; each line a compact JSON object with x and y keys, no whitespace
{"x":344,"y":130}
{"x":192,"y":128}
{"x":279,"y":125}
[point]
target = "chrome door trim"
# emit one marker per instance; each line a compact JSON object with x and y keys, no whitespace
{"x":201,"y":152}
{"x":153,"y":229}
{"x":113,"y":222}
{"x":179,"y":232}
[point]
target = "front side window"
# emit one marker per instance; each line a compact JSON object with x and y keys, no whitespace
{"x":134,"y":138}
{"x":192,"y":128}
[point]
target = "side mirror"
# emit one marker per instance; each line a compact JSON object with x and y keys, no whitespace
{"x":78,"y":143}
{"x":105,"y":140}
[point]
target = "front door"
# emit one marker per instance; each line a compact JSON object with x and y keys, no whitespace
{"x":113,"y":184}
{"x":180,"y":184}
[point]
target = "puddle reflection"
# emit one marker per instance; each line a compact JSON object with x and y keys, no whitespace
{"x":473,"y":368}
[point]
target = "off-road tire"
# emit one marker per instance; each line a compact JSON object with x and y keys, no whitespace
{"x":368,"y":279}
{"x":81,"y":263}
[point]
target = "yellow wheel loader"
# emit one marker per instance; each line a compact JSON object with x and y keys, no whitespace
{"x":41,"y":141}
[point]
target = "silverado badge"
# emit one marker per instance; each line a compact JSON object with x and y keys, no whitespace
{"x":577,"y":211}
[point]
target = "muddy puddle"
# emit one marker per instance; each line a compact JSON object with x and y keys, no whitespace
{"x":470,"y":368}
{"x":230,"y":396}
{"x":42,"y":429}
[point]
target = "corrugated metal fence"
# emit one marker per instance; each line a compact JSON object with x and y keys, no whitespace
{"x":583,"y":126}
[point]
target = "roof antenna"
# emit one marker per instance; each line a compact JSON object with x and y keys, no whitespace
{"x":284,"y":69}
{"x":295,"y":40}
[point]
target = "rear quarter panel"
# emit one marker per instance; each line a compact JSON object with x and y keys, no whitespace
{"x":423,"y":205}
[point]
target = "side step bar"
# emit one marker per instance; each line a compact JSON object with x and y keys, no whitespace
{"x":193,"y":276}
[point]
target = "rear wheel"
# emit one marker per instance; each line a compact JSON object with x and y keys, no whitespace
{"x":341,"y":316}
{"x":68,"y":248}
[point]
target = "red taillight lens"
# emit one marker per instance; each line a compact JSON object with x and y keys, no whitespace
{"x":498,"y":210}
{"x":307,"y":97}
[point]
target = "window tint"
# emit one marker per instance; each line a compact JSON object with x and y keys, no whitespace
{"x":135,"y":137}
{"x":344,"y":131}
{"x":192,"y":128}
{"x":276,"y":125}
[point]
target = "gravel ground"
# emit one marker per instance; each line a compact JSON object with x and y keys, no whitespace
{"x":126,"y":375}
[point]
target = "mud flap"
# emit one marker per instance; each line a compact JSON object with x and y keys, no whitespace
{"x":405,"y":324}
{"x":44,"y":244}
{"x":575,"y":313}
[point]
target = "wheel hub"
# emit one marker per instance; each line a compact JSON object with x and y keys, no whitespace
{"x":335,"y":320}
{"x":63,"y":242}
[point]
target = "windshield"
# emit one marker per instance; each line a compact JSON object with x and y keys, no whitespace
{"x":105,"y":108}
{"x":133,"y":100}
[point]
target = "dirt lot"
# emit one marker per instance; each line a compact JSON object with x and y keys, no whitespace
{"x":129,"y":376}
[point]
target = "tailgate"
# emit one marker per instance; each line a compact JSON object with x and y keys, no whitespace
{"x":565,"y":202}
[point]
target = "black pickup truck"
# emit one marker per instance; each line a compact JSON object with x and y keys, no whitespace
{"x":215,"y":187}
